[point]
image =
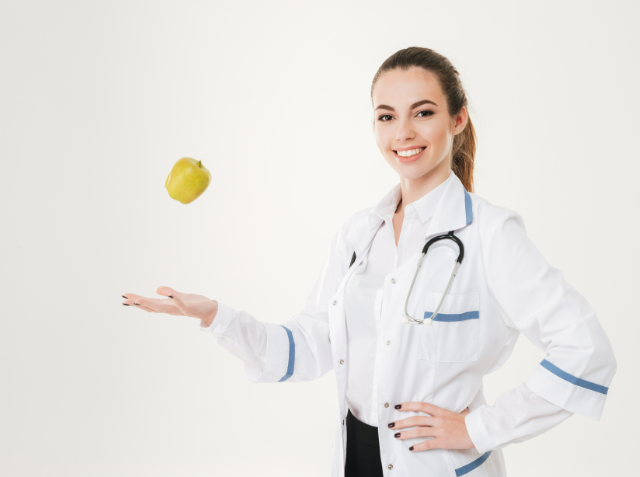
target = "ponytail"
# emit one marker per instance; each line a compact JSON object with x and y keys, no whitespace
{"x":464,"y":151}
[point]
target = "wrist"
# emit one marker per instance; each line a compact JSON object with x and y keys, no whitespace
{"x":482,"y":439}
{"x":209,"y":319}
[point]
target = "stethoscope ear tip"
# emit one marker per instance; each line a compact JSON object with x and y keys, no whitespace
{"x":405,"y":319}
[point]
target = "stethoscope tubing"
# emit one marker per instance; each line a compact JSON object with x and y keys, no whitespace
{"x":407,"y":318}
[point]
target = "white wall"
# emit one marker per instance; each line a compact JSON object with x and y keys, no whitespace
{"x":99,"y":99}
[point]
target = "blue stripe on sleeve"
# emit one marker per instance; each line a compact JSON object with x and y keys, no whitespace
{"x":572,"y":379}
{"x":467,"y":207}
{"x":292,"y":355}
{"x":467,"y":315}
{"x":476,"y":463}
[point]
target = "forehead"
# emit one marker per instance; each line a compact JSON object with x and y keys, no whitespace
{"x":400,"y":88}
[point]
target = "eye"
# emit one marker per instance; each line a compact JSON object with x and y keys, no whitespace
{"x":431,"y":113}
{"x":384,"y":116}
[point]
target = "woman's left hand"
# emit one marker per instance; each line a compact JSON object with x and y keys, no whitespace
{"x":446,"y":427}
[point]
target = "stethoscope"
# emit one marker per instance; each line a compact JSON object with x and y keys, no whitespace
{"x":427,"y":321}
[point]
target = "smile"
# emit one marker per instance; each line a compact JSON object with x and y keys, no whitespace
{"x":410,"y":155}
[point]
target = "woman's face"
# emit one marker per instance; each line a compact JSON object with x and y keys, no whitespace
{"x":410,"y":112}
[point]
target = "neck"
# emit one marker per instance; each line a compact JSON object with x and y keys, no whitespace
{"x":414,"y":189}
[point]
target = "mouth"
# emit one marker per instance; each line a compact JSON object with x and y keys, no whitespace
{"x":409,"y":155}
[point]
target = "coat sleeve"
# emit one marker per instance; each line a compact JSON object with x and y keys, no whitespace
{"x":533,"y":298}
{"x":298,"y":349}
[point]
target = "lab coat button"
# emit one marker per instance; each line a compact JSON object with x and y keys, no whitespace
{"x":393,"y":280}
{"x":386,"y":404}
{"x":388,"y":342}
{"x":390,"y":466}
{"x":334,"y":302}
{"x":342,"y":361}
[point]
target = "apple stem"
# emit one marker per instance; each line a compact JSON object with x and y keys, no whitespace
{"x":199,"y":164}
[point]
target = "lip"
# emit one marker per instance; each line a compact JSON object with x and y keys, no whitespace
{"x":408,"y":148}
{"x":409,"y":159}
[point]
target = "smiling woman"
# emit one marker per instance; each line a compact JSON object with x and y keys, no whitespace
{"x":419,"y":89}
{"x":410,"y":392}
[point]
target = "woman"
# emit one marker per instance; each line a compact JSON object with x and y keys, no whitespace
{"x":409,"y":339}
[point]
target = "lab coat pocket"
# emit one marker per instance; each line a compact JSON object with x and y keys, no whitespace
{"x":453,"y":337}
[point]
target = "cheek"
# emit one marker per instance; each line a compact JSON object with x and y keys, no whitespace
{"x":436,"y":135}
{"x":382,"y":137}
{"x":380,"y":134}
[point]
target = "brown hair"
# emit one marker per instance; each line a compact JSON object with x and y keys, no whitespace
{"x":464,"y":143}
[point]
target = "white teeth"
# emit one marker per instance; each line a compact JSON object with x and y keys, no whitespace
{"x":409,"y":153}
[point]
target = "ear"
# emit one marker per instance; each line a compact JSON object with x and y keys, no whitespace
{"x":460,"y":121}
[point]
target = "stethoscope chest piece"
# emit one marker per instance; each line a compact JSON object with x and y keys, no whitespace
{"x":406,"y":320}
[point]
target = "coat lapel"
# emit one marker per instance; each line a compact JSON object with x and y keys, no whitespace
{"x":454,"y":209}
{"x":363,"y":232}
{"x":454,"y":212}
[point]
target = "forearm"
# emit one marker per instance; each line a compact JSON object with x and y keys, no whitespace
{"x":516,"y":416}
{"x":240,"y":334}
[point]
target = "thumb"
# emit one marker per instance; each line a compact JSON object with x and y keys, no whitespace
{"x":175,"y":296}
{"x":465,"y":412}
{"x":168,"y":291}
{"x":182,"y":306}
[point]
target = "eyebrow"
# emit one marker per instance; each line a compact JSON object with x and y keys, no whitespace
{"x":414,"y":105}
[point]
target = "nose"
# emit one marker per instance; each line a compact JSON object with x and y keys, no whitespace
{"x":405,"y":130}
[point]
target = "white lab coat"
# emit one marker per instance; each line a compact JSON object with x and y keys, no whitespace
{"x":503,"y":287}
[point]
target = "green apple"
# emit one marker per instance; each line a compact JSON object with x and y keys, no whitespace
{"x":187,"y":180}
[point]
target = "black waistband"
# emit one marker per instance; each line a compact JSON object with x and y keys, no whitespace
{"x":362,"y":431}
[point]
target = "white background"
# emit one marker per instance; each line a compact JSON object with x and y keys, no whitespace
{"x":99,"y":99}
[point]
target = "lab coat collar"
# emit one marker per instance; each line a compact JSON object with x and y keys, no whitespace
{"x":452,"y":212}
{"x":425,"y":206}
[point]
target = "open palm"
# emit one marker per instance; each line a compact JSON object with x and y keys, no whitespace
{"x":177,"y":303}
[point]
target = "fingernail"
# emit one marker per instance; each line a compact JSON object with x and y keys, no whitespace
{"x":392,"y":424}
{"x":136,"y":303}
{"x":398,"y":406}
{"x":411,"y":448}
{"x":397,"y":434}
{"x":170,"y":296}
{"x":126,"y":304}
{"x":126,"y":298}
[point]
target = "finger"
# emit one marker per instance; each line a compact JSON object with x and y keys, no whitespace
{"x":177,"y":297}
{"x":140,"y":307}
{"x":426,"y":445}
{"x":418,"y":432}
{"x":415,"y":421}
{"x":159,"y":306}
{"x":419,"y":406}
{"x":130,"y":297}
{"x":465,"y":412}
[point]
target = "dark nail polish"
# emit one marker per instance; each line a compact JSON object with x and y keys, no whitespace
{"x":126,"y":304}
{"x":126,"y":298}
{"x":170,"y":296}
{"x":138,"y":304}
{"x":398,"y":406}
{"x":391,"y":424}
{"x":411,"y":448}
{"x":397,"y":434}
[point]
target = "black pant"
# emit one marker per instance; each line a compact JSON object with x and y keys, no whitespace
{"x":363,"y":449}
